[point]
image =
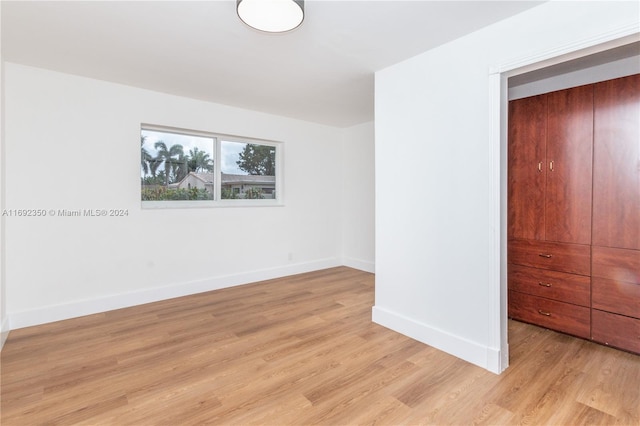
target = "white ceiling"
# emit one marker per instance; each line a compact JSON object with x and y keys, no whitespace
{"x":321,"y":72}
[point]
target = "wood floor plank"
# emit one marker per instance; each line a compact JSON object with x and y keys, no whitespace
{"x":297,"y":350}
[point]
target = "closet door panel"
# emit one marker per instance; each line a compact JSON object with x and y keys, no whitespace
{"x":569,"y":165}
{"x":616,"y":264}
{"x":615,"y":280}
{"x":616,"y":330}
{"x":616,"y":296}
{"x":616,"y":183}
{"x":526,"y":176}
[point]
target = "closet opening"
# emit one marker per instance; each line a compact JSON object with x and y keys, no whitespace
{"x":558,"y":262}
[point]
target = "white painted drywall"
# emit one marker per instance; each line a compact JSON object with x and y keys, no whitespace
{"x":435,"y":188}
{"x":358,"y":197}
{"x":4,"y":324}
{"x":608,"y":71}
{"x":72,"y":143}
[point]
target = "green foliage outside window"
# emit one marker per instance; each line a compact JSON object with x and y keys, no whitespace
{"x":253,"y":193}
{"x":258,"y":160}
{"x":163,"y":194}
{"x":228,"y":194}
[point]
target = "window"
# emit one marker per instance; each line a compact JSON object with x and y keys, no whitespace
{"x":188,"y":168}
{"x":247,"y":170}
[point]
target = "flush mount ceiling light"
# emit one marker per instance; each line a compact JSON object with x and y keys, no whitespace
{"x":272,"y":16}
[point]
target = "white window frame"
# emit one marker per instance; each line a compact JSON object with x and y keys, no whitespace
{"x":218,"y":138}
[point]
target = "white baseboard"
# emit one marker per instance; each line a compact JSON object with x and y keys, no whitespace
{"x":362,"y":265}
{"x":4,"y":331}
{"x":467,"y":350}
{"x":80,"y":308}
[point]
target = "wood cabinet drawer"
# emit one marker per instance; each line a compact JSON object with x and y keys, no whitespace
{"x":616,"y":330}
{"x":572,"y":258}
{"x":560,"y":316}
{"x":561,"y":286}
{"x":621,"y":265}
{"x":616,"y":296}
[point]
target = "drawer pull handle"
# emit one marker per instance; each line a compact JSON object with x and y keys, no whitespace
{"x":544,"y":284}
{"x":547,"y":256}
{"x":546,"y":314}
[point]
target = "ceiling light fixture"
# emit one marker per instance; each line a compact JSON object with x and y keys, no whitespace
{"x":272,"y":16}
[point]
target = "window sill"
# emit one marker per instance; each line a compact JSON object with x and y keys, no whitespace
{"x":155,"y":205}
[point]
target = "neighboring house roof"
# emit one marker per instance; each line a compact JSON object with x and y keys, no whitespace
{"x":229,"y":179}
{"x":204,"y":177}
{"x":207,"y":178}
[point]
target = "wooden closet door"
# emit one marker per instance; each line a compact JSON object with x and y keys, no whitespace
{"x":616,"y":184}
{"x":526,"y":174}
{"x":569,"y":165}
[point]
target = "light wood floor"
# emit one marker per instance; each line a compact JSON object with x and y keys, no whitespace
{"x":299,"y":350}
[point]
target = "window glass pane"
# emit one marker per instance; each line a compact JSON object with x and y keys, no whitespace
{"x":176,"y":166}
{"x":248,"y":170}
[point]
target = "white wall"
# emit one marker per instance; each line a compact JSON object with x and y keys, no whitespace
{"x":4,"y":325}
{"x":436,"y":251}
{"x":607,"y":71}
{"x":72,"y":143}
{"x":358,"y":197}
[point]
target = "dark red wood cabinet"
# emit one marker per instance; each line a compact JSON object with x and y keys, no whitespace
{"x":615,"y":258}
{"x":573,"y":207}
